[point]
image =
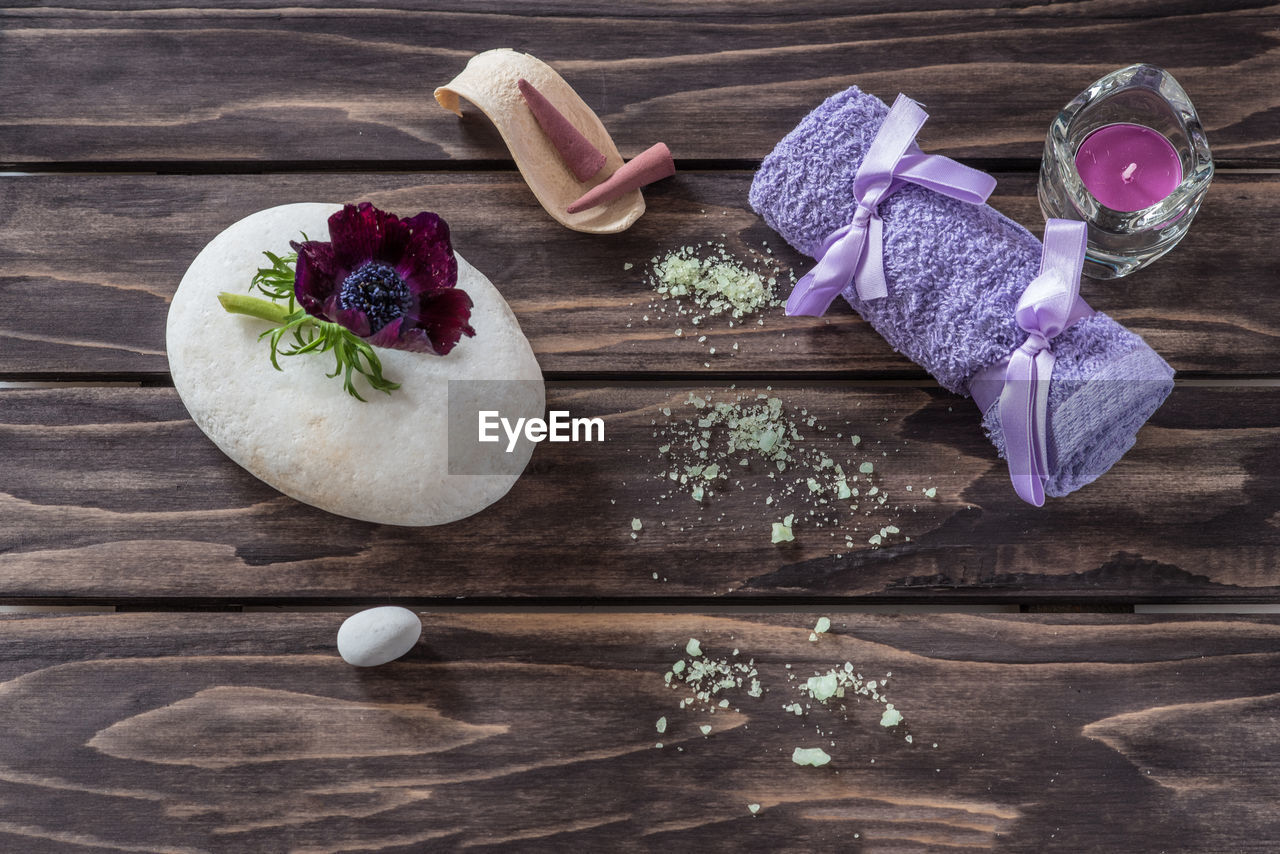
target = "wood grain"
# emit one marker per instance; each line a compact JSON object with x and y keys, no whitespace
{"x":1050,"y":733}
{"x":112,"y":494}
{"x":309,"y":84}
{"x":89,"y":263}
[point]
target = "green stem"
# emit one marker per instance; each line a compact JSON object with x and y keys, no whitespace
{"x":254,"y":307}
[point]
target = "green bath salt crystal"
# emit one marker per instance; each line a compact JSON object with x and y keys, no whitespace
{"x":891,"y":716}
{"x":782,"y":530}
{"x":815,"y":756}
{"x":823,"y":688}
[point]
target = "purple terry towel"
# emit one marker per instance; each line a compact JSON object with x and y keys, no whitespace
{"x":955,"y":272}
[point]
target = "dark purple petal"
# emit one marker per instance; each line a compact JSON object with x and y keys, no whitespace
{"x":354,"y":319}
{"x":314,"y":274}
{"x":417,"y":341}
{"x":444,"y":316}
{"x":388,"y":336}
{"x":363,"y":233}
{"x":428,"y":263}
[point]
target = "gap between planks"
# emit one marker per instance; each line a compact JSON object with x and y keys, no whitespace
{"x":706,"y":608}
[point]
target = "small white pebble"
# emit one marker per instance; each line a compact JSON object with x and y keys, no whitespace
{"x":378,"y":635}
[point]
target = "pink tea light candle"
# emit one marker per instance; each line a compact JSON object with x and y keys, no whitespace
{"x":1128,"y":167}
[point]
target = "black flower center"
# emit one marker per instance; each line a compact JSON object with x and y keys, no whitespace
{"x":378,"y":291}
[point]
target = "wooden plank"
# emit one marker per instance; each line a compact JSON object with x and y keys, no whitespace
{"x":317,"y":85}
{"x":89,"y":263}
{"x":111,"y":494}
{"x":230,"y":733}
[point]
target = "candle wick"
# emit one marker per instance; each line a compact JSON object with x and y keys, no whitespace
{"x":1127,"y":174}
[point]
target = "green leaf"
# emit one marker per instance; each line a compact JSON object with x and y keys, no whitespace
{"x":352,"y":354}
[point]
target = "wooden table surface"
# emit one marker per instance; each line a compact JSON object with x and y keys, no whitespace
{"x":186,"y":718}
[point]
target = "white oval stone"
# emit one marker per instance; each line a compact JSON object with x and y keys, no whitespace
{"x":382,"y":461}
{"x":378,"y":635}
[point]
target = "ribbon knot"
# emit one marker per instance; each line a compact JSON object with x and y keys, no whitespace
{"x":1020,"y":384}
{"x":1036,"y":343}
{"x":855,"y":252}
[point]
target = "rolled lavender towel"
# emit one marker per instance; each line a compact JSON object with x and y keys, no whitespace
{"x":954,"y":272}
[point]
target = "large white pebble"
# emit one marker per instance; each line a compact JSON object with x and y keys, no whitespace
{"x":378,"y":635}
{"x":384,"y":461}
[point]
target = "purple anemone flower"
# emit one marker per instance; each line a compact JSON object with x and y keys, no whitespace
{"x":391,"y":281}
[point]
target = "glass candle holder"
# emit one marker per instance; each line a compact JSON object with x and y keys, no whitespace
{"x":1133,"y":141}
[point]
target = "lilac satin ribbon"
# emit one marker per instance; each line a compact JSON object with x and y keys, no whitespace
{"x":1020,"y":383}
{"x":856,"y":251}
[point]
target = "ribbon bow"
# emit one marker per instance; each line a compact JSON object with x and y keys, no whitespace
{"x":1049,"y":305}
{"x":856,"y":251}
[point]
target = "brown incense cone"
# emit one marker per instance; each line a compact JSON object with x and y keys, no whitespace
{"x":583,"y":159}
{"x":652,"y":164}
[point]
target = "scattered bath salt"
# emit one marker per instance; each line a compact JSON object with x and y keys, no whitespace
{"x":636,"y":525}
{"x":706,"y":677}
{"x":627,"y":265}
{"x":755,"y":808}
{"x":749,"y":443}
{"x":706,"y":282}
{"x":703,"y":678}
{"x":718,"y":284}
{"x":930,"y":492}
{"x":815,"y":756}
